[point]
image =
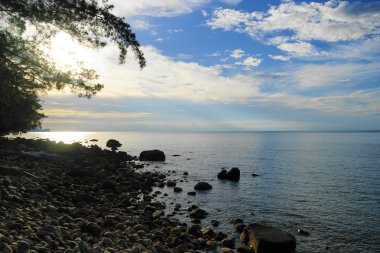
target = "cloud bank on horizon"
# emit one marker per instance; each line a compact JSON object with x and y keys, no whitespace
{"x":233,"y":65}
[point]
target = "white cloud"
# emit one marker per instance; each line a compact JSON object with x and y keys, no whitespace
{"x":167,"y":8}
{"x":229,"y":19}
{"x":204,"y":13}
{"x":251,"y":62}
{"x":332,"y":21}
{"x":298,"y":48}
{"x":319,"y":75}
{"x":237,"y":53}
{"x":140,"y":24}
{"x":279,"y":57}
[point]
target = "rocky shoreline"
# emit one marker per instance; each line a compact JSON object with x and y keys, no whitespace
{"x":68,"y":198}
{"x":57,"y":197}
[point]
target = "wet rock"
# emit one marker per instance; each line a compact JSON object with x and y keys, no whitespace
{"x":215,"y":223}
{"x":267,"y":239}
{"x":171,"y":184}
{"x":212,"y":245}
{"x":303,"y":232}
{"x":254,"y":175}
{"x":192,"y":193}
{"x":233,"y":174}
{"x":186,"y":173}
{"x":202,"y":186}
{"x":220,"y":236}
{"x":208,"y":232}
{"x":152,"y":155}
{"x":178,"y":189}
{"x":239,"y":228}
{"x":198,"y":213}
{"x":222,"y":174}
{"x":194,"y":230}
{"x":113,"y":144}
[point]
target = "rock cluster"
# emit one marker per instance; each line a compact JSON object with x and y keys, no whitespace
{"x":86,"y":200}
{"x":232,"y":175}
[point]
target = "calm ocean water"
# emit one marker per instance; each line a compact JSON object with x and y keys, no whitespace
{"x":327,"y":183}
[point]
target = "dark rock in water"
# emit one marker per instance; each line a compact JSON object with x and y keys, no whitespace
{"x":215,"y":223}
{"x":94,"y":140}
{"x":113,"y":144}
{"x":152,"y":155}
{"x":192,"y":193}
{"x":239,"y":228}
{"x":220,"y":236}
{"x":229,"y":243}
{"x":202,"y":186}
{"x":198,"y":213}
{"x":254,"y":175}
{"x":186,"y":173}
{"x":178,"y":189}
{"x":91,"y":228}
{"x":176,"y":155}
{"x":267,"y":239}
{"x":171,"y":184}
{"x":233,"y":174}
{"x":237,"y":221}
{"x":222,"y":174}
{"x":194,"y":230}
{"x":208,"y":232}
{"x":303,"y":232}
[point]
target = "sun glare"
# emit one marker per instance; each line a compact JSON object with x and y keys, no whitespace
{"x":65,"y":137}
{"x":65,"y":52}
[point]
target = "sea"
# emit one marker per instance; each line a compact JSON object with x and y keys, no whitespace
{"x":325,"y":183}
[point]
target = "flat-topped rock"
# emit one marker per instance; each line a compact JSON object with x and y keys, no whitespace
{"x":152,"y":155}
{"x":267,"y":239}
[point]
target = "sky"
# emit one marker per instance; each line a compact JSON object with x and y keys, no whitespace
{"x":231,"y":65}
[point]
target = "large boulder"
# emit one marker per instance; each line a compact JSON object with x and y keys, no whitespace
{"x":202,"y":186}
{"x":113,"y":144}
{"x":233,"y":174}
{"x":152,"y":155}
{"x":267,"y":239}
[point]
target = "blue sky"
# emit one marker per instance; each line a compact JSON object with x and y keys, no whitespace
{"x":232,"y":65}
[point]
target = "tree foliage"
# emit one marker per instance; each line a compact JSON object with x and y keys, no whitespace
{"x":25,"y":68}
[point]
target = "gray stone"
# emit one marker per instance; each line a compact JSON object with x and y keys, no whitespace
{"x":202,"y":186}
{"x":267,"y":239}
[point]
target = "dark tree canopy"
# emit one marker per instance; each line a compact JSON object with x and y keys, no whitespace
{"x":25,"y":68}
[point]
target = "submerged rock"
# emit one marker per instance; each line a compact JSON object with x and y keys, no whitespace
{"x":152,"y":155}
{"x":267,"y":239}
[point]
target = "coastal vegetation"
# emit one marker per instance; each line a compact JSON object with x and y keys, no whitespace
{"x":27,"y":71}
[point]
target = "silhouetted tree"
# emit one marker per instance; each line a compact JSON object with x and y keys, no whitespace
{"x":25,"y":68}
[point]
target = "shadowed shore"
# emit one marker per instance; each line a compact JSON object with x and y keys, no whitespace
{"x":68,"y":198}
